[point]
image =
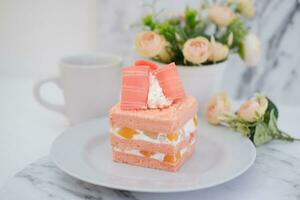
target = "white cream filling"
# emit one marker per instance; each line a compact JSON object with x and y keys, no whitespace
{"x":156,"y":97}
{"x":184,"y":132}
{"x":157,"y":156}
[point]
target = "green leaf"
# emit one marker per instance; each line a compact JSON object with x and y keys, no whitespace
{"x":243,"y":129}
{"x":199,"y":30}
{"x":273,"y":123}
{"x":149,"y":22}
{"x":193,"y":26}
{"x":272,"y":106}
{"x":238,"y":30}
{"x":169,"y":32}
{"x":174,"y":21}
{"x":181,"y":33}
{"x":191,"y":17}
{"x":252,"y":133}
{"x":241,"y":51}
{"x":262,"y":134}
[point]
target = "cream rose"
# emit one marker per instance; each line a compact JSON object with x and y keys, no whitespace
{"x":164,"y":55}
{"x":150,"y":44}
{"x":251,"y":49}
{"x":253,"y":109}
{"x":247,"y":7}
{"x":220,"y":15}
{"x":197,"y":50}
{"x":219,"y":52}
{"x":216,"y":108}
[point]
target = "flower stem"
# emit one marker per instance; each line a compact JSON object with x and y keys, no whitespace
{"x":286,"y":137}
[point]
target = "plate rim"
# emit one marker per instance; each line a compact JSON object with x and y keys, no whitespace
{"x":119,"y":187}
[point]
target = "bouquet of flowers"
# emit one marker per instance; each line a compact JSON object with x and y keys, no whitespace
{"x":256,"y":118}
{"x":200,"y":36}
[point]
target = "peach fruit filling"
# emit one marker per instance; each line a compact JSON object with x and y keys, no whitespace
{"x":195,"y":119}
{"x":127,"y":133}
{"x":169,"y":158}
{"x":166,"y":138}
{"x":172,"y":137}
{"x":146,"y":153}
{"x":172,"y":158}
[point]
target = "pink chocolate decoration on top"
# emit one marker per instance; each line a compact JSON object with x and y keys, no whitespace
{"x":151,"y":65}
{"x":170,"y":82}
{"x":135,"y":84}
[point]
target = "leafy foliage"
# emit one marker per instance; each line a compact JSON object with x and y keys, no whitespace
{"x":169,"y":32}
{"x":239,"y":32}
{"x":190,"y":20}
{"x":148,"y":22}
{"x":179,"y":28}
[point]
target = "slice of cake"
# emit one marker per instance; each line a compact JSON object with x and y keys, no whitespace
{"x":155,"y":124}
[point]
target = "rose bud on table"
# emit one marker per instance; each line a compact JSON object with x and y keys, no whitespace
{"x":256,"y":118}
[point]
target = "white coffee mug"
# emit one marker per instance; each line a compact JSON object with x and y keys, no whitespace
{"x":90,"y":84}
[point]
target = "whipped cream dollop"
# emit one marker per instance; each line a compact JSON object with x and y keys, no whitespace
{"x":156,"y":97}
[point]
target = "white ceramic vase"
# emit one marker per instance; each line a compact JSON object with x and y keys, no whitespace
{"x":202,"y":82}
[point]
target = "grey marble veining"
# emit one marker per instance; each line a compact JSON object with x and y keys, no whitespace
{"x":277,"y":23}
{"x":274,"y":175}
{"x":44,"y":179}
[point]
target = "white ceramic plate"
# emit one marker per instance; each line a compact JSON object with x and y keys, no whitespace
{"x":84,"y":152}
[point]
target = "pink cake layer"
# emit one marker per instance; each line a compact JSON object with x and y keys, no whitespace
{"x":151,"y":162}
{"x":165,"y":120}
{"x":123,"y":144}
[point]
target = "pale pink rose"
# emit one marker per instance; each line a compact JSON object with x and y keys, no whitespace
{"x":220,"y":15}
{"x":219,"y":52}
{"x":253,"y":109}
{"x":150,"y":44}
{"x":197,"y":50}
{"x":217,"y":107}
{"x":247,"y":7}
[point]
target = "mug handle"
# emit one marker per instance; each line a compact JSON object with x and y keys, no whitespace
{"x":37,"y":95}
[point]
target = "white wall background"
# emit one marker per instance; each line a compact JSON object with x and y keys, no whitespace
{"x":34,"y":34}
